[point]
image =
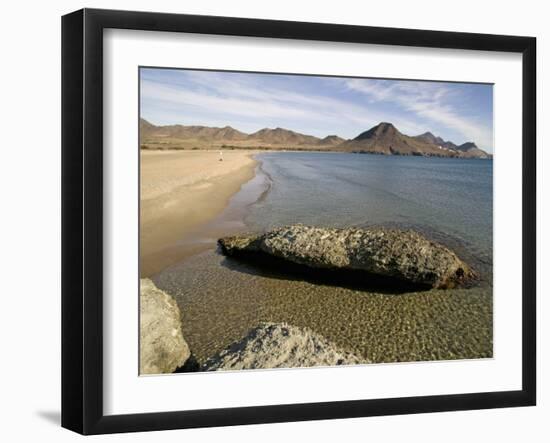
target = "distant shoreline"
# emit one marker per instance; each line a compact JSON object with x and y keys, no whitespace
{"x":256,"y":149}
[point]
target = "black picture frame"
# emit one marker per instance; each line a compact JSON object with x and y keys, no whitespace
{"x":82,"y":219}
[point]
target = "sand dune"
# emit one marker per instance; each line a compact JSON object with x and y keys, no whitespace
{"x":180,"y":190}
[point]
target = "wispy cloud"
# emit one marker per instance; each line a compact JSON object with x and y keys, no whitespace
{"x":314,"y":105}
{"x":428,"y":100}
{"x":251,"y":98}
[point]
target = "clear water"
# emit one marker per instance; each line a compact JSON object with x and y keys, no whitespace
{"x":449,"y":198}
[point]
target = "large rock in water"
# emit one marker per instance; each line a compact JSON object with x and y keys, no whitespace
{"x":162,"y":348}
{"x":273,"y":345}
{"x":398,"y":254}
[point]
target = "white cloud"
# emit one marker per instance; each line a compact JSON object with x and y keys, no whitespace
{"x":262,"y":102}
{"x":427,"y":100}
{"x":249,"y":98}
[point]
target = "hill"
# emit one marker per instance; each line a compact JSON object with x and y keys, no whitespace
{"x":331,"y":140}
{"x":386,"y":139}
{"x":383,"y":138}
{"x":190,"y":132}
{"x":280,"y":136}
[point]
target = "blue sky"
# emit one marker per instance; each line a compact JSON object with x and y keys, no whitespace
{"x":318,"y":106}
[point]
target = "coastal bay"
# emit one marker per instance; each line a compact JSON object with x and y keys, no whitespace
{"x":303,"y":220}
{"x":222,"y":298}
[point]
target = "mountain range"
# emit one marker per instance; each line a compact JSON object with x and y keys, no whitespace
{"x":383,"y":138}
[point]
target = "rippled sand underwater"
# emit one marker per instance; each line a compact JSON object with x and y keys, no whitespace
{"x":221,"y":299}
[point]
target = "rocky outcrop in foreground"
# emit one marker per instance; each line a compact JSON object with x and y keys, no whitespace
{"x":273,"y":345}
{"x":270,"y":345}
{"x":404,"y":255}
{"x":162,"y":347}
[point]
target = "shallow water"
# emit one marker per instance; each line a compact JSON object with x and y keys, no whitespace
{"x":221,"y":299}
{"x":449,"y":200}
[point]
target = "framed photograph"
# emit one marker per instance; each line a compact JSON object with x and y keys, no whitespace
{"x":268,"y":221}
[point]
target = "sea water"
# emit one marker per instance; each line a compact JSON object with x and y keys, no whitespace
{"x":449,"y":196}
{"x":448,"y":200}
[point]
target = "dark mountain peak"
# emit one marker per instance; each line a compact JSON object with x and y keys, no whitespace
{"x":428,"y":137}
{"x":266,"y":130}
{"x":282,"y":131}
{"x":277,"y":130}
{"x":271,"y":131}
{"x":261,"y":132}
{"x":228,"y":129}
{"x":383,"y":129}
{"x":467,"y":146}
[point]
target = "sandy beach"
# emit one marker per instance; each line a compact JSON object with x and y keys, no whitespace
{"x":180,"y":191}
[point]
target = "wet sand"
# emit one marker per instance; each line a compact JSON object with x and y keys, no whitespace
{"x":221,"y":299}
{"x":180,"y":192}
